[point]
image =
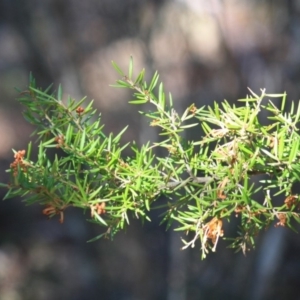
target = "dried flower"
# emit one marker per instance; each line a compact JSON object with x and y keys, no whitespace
{"x":59,"y":140}
{"x":290,"y":201}
{"x":18,"y":162}
{"x":213,"y":230}
{"x":99,"y":208}
{"x":193,"y":109}
{"x":51,"y":210}
{"x":282,"y":219}
{"x":79,"y":110}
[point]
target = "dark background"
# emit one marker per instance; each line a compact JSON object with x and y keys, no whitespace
{"x":204,"y":50}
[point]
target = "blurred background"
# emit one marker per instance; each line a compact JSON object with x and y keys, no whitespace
{"x":205,"y":51}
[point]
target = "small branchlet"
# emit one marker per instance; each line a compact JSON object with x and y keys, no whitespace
{"x":208,"y":181}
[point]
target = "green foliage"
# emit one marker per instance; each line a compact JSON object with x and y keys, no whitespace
{"x":206,"y":182}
